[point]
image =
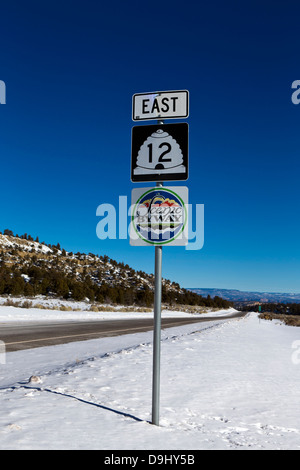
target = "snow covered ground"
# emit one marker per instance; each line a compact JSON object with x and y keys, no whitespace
{"x":226,"y":384}
{"x":19,"y":314}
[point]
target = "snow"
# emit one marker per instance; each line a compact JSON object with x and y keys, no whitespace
{"x":226,"y":384}
{"x":80,"y":311}
{"x":27,"y":245}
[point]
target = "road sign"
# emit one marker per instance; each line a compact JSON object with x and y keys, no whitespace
{"x":160,"y":105}
{"x":159,"y":216}
{"x":159,"y":152}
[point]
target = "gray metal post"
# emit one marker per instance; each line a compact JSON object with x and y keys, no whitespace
{"x":157,"y":334}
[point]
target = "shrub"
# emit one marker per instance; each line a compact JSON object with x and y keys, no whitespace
{"x":11,"y":303}
{"x":94,"y":308}
{"x":26,"y":304}
{"x":65,"y":308}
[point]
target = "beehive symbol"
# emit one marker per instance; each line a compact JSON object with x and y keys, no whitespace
{"x":159,"y":154}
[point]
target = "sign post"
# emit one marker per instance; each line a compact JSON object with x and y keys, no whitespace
{"x":157,"y":336}
{"x":159,"y":215}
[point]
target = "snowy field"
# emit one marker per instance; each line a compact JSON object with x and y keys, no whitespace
{"x":18,"y":314}
{"x":226,"y":384}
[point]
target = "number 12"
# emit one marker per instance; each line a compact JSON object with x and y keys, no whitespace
{"x":161,"y":158}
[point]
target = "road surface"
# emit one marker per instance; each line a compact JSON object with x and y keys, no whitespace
{"x":28,"y":335}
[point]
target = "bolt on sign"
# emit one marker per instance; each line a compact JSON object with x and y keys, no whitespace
{"x":159,"y":152}
{"x":159,"y":216}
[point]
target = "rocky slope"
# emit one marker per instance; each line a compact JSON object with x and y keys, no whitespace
{"x":30,"y":268}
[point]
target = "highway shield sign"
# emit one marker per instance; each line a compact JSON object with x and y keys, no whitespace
{"x":159,"y":153}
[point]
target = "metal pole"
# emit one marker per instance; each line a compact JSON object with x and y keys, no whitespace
{"x":157,"y":334}
{"x":157,"y":331}
{"x":156,"y":337}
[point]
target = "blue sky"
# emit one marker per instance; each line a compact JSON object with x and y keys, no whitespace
{"x":71,"y":68}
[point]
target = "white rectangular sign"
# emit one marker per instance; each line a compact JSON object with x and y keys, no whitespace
{"x":159,"y":216}
{"x":160,"y":105}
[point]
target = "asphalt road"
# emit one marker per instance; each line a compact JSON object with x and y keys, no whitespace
{"x":19,"y":336}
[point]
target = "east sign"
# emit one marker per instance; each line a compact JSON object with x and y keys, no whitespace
{"x":160,"y":105}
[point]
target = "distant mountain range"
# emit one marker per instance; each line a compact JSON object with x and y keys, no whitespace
{"x":240,"y":296}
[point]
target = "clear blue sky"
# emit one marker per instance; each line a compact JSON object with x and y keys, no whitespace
{"x":71,"y":68}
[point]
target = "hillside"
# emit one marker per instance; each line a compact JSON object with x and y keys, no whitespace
{"x":31,"y":268}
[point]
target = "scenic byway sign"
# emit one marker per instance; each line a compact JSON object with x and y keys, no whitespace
{"x":160,"y":105}
{"x":159,"y":153}
{"x":159,"y":216}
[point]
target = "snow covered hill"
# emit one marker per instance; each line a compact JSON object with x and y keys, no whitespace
{"x":30,"y":268}
{"x":229,"y":384}
{"x":24,"y":252}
